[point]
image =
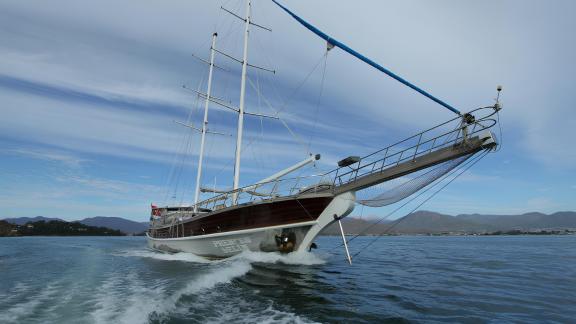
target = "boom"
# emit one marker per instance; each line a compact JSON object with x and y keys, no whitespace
{"x":333,"y":42}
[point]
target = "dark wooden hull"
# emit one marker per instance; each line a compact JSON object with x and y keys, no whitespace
{"x":277,"y":212}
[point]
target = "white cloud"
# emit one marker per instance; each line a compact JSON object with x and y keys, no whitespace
{"x":458,"y":51}
{"x":70,"y":193}
{"x":96,"y":57}
{"x":68,"y":159}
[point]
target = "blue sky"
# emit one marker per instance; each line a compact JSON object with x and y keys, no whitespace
{"x":89,"y":91}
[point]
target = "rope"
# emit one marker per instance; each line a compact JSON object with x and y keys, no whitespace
{"x":296,"y":137}
{"x":501,"y":136}
{"x":408,"y":188}
{"x":297,"y":89}
{"x":444,"y":177}
{"x":282,"y":107}
{"x":318,"y":101}
{"x":474,"y":161}
{"x":363,"y":58}
{"x":173,"y":176}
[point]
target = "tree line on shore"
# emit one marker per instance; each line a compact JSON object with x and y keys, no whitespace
{"x":55,"y":228}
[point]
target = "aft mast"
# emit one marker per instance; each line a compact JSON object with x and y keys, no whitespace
{"x":241,"y":108}
{"x":204,"y":123}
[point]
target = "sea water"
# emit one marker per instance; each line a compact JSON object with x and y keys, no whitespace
{"x":397,"y":279}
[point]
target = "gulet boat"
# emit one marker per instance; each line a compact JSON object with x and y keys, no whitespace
{"x":285,"y":214}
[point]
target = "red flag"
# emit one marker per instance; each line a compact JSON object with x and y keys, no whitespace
{"x":155,"y":210}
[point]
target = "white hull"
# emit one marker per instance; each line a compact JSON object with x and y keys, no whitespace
{"x":221,"y":245}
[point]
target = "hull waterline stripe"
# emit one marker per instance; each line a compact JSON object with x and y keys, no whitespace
{"x":246,"y":231}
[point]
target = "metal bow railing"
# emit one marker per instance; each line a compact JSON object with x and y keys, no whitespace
{"x":449,"y":133}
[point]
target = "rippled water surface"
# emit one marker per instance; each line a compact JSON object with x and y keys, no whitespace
{"x":397,"y":279}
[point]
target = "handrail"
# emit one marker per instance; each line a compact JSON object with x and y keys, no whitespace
{"x":437,"y":126}
{"x":476,"y":127}
{"x":421,"y":143}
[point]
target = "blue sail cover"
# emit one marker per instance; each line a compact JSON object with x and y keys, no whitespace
{"x":377,"y":66}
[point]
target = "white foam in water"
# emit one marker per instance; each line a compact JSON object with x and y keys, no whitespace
{"x":106,"y":300}
{"x":130,"y":300}
{"x":138,"y":300}
{"x":123,"y":298}
{"x":18,"y":290}
{"x":234,"y":306}
{"x":303,"y":258}
{"x":224,"y":274}
{"x":144,"y":253}
{"x":268,"y":315}
{"x":140,"y":303}
{"x":17,"y":313}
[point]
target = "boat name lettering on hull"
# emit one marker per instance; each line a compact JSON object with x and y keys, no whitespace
{"x":232,"y":245}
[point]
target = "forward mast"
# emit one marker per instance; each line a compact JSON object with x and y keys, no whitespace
{"x":204,"y":123}
{"x":241,"y":107}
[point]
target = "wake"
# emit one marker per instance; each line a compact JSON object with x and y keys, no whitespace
{"x":294,"y":258}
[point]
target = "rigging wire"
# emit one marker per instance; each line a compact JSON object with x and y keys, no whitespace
{"x":230,"y":162}
{"x":281,"y":109}
{"x":174,"y":176}
{"x":287,"y":99}
{"x":226,"y":42}
{"x":181,"y":151}
{"x":184,"y":161}
{"x":463,"y":169}
{"x":294,"y":135}
{"x":181,"y":157}
{"x":280,"y":119}
{"x":259,"y":158}
{"x":188,"y":183}
{"x":500,"y":131}
{"x":440,"y":180}
{"x":274,"y":82}
{"x":208,"y":159}
{"x":291,"y":96}
{"x":313,"y":133}
{"x":277,"y":111}
{"x":333,"y":42}
{"x":224,"y":38}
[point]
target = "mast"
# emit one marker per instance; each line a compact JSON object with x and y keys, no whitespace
{"x":241,"y":108}
{"x":204,"y":123}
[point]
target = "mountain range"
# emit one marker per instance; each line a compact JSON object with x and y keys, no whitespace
{"x":115,"y":223}
{"x":421,"y":222}
{"x":427,"y":222}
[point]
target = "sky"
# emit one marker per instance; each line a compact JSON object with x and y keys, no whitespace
{"x":90,"y":90}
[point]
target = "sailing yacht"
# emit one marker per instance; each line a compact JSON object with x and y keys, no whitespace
{"x":285,"y":214}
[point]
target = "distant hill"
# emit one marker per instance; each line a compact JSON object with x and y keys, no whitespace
{"x":421,"y":222}
{"x":116,"y":223}
{"x":354,"y":225}
{"x":63,"y":228}
{"x":426,"y":222}
{"x":24,"y":220}
{"x":525,"y":221}
{"x":7,"y":229}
